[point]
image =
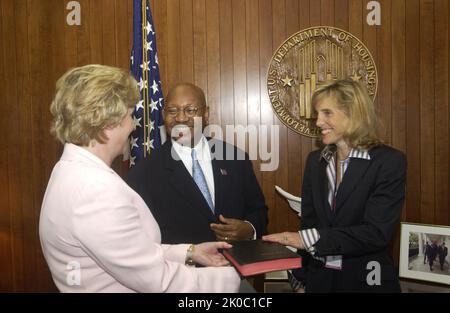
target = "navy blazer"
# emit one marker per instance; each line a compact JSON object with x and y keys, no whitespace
{"x":177,"y":203}
{"x":369,"y":202}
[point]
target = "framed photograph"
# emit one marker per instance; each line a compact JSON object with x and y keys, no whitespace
{"x":424,"y":252}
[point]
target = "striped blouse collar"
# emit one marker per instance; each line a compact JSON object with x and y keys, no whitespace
{"x":329,"y":151}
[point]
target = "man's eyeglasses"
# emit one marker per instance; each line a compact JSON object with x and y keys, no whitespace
{"x":188,"y":111}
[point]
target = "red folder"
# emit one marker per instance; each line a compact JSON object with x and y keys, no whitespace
{"x":252,"y":257}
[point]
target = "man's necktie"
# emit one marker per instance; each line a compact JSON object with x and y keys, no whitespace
{"x":200,"y":180}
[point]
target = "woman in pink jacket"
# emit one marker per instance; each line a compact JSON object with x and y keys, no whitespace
{"x":97,"y":234}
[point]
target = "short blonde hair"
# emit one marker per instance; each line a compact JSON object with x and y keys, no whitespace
{"x":352,"y":98}
{"x":89,"y":99}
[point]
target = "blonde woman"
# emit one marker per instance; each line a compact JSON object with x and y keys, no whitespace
{"x":352,"y":196}
{"x":97,"y":234}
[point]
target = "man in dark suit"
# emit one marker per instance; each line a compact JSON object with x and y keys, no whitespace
{"x":442,"y":251}
{"x":425,"y":251}
{"x":432,"y":253}
{"x":198,"y":189}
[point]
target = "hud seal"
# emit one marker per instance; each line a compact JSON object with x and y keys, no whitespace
{"x":307,"y":59}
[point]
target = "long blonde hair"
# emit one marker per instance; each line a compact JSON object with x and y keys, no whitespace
{"x":352,"y":98}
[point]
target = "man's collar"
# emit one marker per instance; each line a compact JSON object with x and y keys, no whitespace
{"x":199,"y":146}
{"x":185,"y":151}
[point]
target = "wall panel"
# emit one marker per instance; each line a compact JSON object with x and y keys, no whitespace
{"x":441,"y":96}
{"x":427,"y":112}
{"x":412,"y":57}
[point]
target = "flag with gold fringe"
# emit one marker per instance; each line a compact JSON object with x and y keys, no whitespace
{"x":145,"y":69}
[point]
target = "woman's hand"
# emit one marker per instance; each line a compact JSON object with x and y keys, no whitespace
{"x":286,"y":238}
{"x":207,"y":254}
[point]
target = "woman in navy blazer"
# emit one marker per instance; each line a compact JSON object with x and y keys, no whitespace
{"x":352,"y":196}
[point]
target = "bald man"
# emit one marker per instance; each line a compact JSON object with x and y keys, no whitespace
{"x":196,"y":190}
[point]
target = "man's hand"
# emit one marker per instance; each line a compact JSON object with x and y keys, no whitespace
{"x":207,"y":254}
{"x":232,"y":229}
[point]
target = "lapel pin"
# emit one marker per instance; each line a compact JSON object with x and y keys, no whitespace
{"x":223,"y":171}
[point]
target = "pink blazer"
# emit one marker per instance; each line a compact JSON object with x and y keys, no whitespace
{"x":98,"y":235}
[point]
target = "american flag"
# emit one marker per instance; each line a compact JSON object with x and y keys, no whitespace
{"x":145,"y":68}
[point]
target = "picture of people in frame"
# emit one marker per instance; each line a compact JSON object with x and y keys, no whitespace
{"x":428,"y":253}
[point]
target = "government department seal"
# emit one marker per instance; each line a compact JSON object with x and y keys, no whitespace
{"x":307,"y":59}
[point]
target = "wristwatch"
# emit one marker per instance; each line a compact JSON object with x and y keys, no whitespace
{"x":189,"y":254}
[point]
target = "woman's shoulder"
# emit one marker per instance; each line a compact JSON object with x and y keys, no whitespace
{"x":87,"y":179}
{"x":382,"y":151}
{"x":316,"y":154}
{"x":389,"y":158}
{"x":385,"y":151}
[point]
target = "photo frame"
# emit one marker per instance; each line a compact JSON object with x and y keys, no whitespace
{"x":424,"y":252}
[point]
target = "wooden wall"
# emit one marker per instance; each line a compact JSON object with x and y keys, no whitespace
{"x":37,"y":47}
{"x":224,"y":46}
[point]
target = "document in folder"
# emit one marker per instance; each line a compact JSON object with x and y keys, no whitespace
{"x":252,"y":257}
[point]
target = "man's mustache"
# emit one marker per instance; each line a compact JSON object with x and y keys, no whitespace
{"x":182,"y":124}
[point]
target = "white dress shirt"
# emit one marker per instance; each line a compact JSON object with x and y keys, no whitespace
{"x":204,"y":158}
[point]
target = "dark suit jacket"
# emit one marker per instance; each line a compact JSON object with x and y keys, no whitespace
{"x":442,"y":253}
{"x":368,"y":207}
{"x":179,"y":206}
